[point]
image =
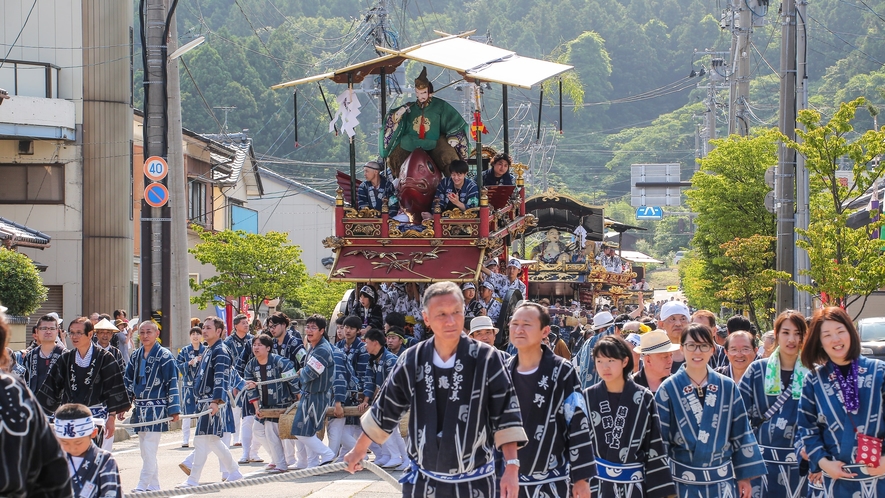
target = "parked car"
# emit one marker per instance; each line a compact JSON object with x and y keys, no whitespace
{"x":872,"y":337}
{"x":678,"y":257}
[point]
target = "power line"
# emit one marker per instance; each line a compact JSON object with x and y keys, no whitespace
{"x":19,"y":33}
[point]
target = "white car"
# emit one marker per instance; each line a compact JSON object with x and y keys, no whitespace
{"x":678,"y":257}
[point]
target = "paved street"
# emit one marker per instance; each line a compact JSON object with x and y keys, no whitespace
{"x":335,"y":485}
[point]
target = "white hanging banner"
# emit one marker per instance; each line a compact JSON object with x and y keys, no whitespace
{"x":348,"y":110}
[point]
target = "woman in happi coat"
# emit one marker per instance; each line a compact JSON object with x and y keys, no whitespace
{"x":704,"y":425}
{"x":188,"y":365}
{"x":841,"y":408}
{"x":771,"y":389}
{"x":625,"y":429}
{"x":263,"y":367}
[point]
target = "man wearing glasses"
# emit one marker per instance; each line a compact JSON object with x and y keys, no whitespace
{"x":87,"y":375}
{"x":39,"y":360}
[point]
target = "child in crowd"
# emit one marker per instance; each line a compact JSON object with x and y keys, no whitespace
{"x":94,"y":472}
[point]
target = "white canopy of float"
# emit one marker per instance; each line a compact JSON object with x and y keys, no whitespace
{"x":472,"y":59}
{"x":638,"y":257}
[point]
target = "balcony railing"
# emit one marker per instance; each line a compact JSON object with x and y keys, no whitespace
{"x":29,"y":79}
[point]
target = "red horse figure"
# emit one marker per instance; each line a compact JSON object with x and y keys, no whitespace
{"x":418,"y":179}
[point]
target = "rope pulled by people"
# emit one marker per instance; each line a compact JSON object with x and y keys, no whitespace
{"x":162,"y":420}
{"x":255,"y":481}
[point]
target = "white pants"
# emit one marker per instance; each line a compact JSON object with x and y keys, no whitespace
{"x":269,"y":435}
{"x":202,"y":446}
{"x":296,"y":453}
{"x":185,"y":431}
{"x":238,"y":420}
{"x":149,"y":444}
{"x":250,"y":444}
{"x":395,"y":446}
{"x":108,"y":443}
{"x":316,"y":448}
{"x":339,"y":438}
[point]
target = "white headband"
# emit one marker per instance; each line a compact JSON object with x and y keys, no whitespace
{"x":73,"y":429}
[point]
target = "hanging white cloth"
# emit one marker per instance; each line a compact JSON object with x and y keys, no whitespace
{"x":348,"y":111}
{"x":581,"y":234}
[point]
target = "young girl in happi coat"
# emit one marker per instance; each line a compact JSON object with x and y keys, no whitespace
{"x":625,"y":429}
{"x":712,"y":450}
{"x":840,"y":413}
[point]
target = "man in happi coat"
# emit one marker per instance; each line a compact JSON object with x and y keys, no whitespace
{"x":239,"y":343}
{"x":188,"y":362}
{"x":429,"y":123}
{"x":152,"y":382}
{"x":288,"y":345}
{"x":355,"y":351}
{"x":94,"y":472}
{"x":462,"y":405}
{"x":343,"y":385}
{"x":104,"y":334}
{"x":211,"y":389}
{"x":39,"y":360}
{"x":381,"y":361}
{"x":315,"y":378}
{"x":559,"y":456}
{"x":33,"y":463}
{"x":714,"y":446}
{"x":87,"y":375}
{"x":263,"y":367}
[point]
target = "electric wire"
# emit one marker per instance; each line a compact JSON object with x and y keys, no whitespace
{"x":22,"y":30}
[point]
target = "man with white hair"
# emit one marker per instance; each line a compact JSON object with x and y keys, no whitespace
{"x":674,"y":319}
{"x":462,"y":404}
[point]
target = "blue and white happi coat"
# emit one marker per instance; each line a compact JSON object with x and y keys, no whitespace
{"x":710,"y":443}
{"x":630,"y":455}
{"x":152,"y":384}
{"x":316,"y":378}
{"x":776,"y":436}
{"x":358,"y":358}
{"x":279,"y":394}
{"x":97,"y":476}
{"x":212,"y":384}
{"x":188,"y":376}
{"x":291,"y":348}
{"x":345,"y":381}
{"x":827,"y":432}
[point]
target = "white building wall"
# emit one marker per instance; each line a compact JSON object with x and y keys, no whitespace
{"x":307,"y":218}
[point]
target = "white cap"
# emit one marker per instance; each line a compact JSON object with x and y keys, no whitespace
{"x":674,"y":308}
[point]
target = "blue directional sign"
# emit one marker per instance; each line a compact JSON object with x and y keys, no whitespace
{"x":649,"y":213}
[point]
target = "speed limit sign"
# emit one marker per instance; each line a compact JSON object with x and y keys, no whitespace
{"x":155,"y":168}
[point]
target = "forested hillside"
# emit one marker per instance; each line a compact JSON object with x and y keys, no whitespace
{"x":634,"y":59}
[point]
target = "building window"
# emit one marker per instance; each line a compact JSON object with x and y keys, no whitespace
{"x":32,"y":183}
{"x":197,"y":203}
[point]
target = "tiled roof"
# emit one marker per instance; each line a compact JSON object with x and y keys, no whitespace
{"x":296,"y":186}
{"x":13,"y":233}
{"x":240,"y":144}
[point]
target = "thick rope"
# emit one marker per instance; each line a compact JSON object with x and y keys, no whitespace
{"x":161,"y":421}
{"x":254,"y":481}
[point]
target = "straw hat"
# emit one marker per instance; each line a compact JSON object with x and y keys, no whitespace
{"x":655,"y":341}
{"x":105,"y":324}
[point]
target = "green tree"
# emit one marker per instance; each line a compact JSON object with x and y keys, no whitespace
{"x":727,"y":196}
{"x":846,"y":265}
{"x":751,"y":286}
{"x":320,"y":295}
{"x":249,"y":265}
{"x":21,"y":288}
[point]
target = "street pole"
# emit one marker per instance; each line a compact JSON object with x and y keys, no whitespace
{"x":803,"y":264}
{"x":739,"y":88}
{"x":786,"y":167}
{"x":155,"y":222}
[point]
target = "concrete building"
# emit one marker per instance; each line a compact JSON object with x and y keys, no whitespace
{"x":306,"y":214}
{"x":65,"y":144}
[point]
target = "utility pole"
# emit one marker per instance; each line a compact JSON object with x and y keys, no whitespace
{"x":786,"y":167}
{"x":739,"y":88}
{"x":803,"y":264}
{"x":155,"y":222}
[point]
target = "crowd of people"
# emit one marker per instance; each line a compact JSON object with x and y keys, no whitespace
{"x":655,"y":401}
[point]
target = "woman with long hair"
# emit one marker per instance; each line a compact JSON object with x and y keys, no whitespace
{"x":771,"y":388}
{"x":840,"y":413}
{"x":625,"y":429}
{"x":713,"y":452}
